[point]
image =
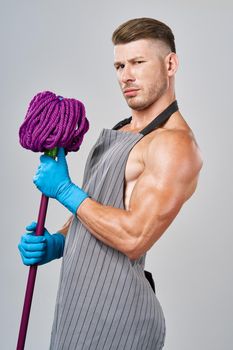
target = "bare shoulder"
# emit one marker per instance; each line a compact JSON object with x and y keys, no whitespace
{"x":175,"y":141}
{"x":175,"y":153}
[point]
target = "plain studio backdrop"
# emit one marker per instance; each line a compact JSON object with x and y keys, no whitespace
{"x":65,"y":47}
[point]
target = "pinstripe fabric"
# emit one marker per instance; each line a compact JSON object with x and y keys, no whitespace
{"x":104,"y":301}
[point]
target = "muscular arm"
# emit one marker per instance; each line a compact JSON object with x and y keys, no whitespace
{"x":172,"y":165}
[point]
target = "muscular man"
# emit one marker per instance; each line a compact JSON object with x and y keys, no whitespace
{"x":137,"y":177}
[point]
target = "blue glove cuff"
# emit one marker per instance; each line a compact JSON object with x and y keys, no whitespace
{"x":71,"y":196}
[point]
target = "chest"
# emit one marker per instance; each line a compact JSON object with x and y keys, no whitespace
{"x":113,"y":166}
{"x":135,"y":165}
{"x":107,"y":160}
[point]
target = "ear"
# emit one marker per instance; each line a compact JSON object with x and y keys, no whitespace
{"x":172,"y":63}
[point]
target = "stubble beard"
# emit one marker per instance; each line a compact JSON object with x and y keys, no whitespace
{"x":152,"y":95}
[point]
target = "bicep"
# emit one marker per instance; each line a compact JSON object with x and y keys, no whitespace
{"x":170,"y":175}
{"x":153,"y":208}
{"x":166,"y":183}
{"x":154,"y":201}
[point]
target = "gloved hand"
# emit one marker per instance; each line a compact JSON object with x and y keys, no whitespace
{"x":52,"y":179}
{"x":40,"y":250}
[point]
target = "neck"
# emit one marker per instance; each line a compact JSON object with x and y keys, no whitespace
{"x":143,"y":117}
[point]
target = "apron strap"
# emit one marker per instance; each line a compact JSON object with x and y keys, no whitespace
{"x":160,"y":119}
{"x":155,"y":123}
{"x":122,"y":123}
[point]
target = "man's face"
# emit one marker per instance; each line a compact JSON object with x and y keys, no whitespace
{"x":141,"y":71}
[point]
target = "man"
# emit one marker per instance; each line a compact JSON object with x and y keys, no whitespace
{"x":137,"y":177}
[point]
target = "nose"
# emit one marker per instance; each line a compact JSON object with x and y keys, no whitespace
{"x":127,"y":74}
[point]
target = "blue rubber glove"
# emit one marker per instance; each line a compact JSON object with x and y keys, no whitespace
{"x":52,"y":179}
{"x":40,"y":250}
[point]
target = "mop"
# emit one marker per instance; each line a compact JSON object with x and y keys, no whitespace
{"x":51,"y":121}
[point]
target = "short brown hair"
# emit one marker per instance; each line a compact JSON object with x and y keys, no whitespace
{"x":144,"y":28}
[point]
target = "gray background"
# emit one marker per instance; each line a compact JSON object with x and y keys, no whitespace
{"x":65,"y":47}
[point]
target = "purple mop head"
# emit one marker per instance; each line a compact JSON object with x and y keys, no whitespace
{"x":53,"y":121}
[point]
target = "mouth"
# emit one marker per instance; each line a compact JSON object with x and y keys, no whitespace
{"x":130,"y":92}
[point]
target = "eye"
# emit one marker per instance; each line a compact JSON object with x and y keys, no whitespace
{"x":120,"y":66}
{"x":139,"y":62}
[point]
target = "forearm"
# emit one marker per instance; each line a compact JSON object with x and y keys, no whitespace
{"x":113,"y":226}
{"x":131,"y":233}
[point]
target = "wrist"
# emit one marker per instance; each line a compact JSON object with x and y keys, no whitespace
{"x":71,"y":196}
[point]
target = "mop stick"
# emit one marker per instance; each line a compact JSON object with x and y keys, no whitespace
{"x":31,"y":278}
{"x":43,"y":114}
{"x":33,"y":269}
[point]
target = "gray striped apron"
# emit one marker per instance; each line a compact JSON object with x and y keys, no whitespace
{"x":105,"y":301}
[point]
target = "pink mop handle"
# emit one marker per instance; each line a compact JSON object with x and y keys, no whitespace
{"x":31,"y":278}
